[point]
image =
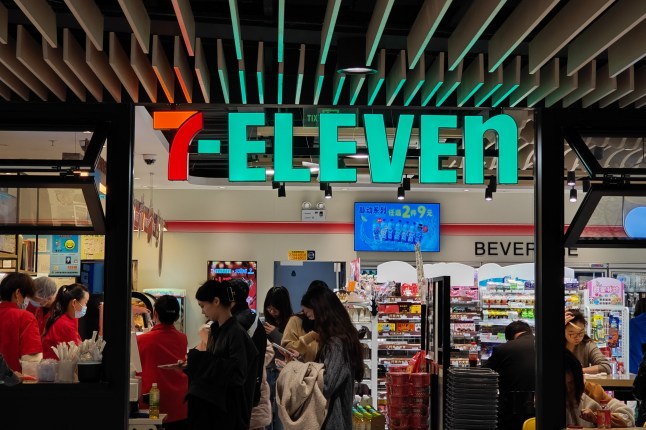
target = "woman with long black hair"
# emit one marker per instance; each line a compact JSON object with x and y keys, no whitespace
{"x":62,"y":325}
{"x":340,"y":352}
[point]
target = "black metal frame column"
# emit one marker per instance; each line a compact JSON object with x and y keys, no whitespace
{"x":549,"y":270}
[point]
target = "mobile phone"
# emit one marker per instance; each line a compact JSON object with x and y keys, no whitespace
{"x":286,"y":352}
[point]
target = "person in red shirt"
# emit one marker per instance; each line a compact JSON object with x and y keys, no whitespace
{"x":19,"y":336}
{"x":62,"y":325}
{"x":43,"y":300}
{"x":164,"y":344}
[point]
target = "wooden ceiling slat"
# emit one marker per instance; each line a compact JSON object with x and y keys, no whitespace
{"x":470,"y":27}
{"x":120,"y":63}
{"x":98,"y":62}
{"x":143,"y":69}
{"x":42,"y":16}
{"x":640,"y":103}
{"x":15,"y":84}
{"x":549,"y":82}
{"x":300,"y":73}
{"x":433,"y":79}
{"x":5,"y":92}
{"x":510,"y":81}
{"x":182,"y":70}
{"x":163,"y":70}
{"x":337,"y":87}
{"x":318,"y":82}
{"x":378,"y":20}
{"x":235,"y":24}
{"x":625,"y":86}
{"x":492,"y":82}
{"x":414,"y":80}
{"x":9,"y":60}
{"x":525,"y":17}
{"x":528,"y":84}
{"x":30,"y":54}
{"x":356,"y":83}
{"x":90,"y":18}
{"x":472,"y":80}
{"x":452,"y":80}
{"x":260,"y":72}
{"x":329,"y":22}
{"x":74,"y":57}
{"x":640,"y":88}
{"x":4,"y":24}
{"x":376,"y":80}
{"x":628,"y":50}
{"x":605,"y":85}
{"x":281,"y":76}
{"x":587,"y":84}
{"x":572,"y":19}
{"x":222,"y":71}
{"x":139,"y":21}
{"x":202,"y":71}
{"x":242,"y":79}
{"x":567,"y":84}
{"x":396,"y":78}
{"x":281,"y":30}
{"x":622,"y":17}
{"x":424,"y":27}
{"x":186,"y":22}
{"x":54,"y":58}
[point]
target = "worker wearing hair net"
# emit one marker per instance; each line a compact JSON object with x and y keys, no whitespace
{"x":42,"y":302}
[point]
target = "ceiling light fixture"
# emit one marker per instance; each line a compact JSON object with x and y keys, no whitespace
{"x":351,"y":56}
{"x":573,"y":194}
{"x":406,"y":183}
{"x":585,"y":182}
{"x":401,"y":193}
{"x":488,"y":194}
{"x":322,"y":186}
{"x":571,"y":179}
{"x":281,"y":191}
{"x":493,"y":184}
{"x":275,"y":185}
{"x":328,"y":191}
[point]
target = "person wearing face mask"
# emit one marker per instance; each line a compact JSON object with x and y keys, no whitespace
{"x":62,"y":325}
{"x":43,"y":300}
{"x":19,"y":336}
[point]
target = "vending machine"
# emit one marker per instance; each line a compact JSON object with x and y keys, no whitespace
{"x":607,"y":318}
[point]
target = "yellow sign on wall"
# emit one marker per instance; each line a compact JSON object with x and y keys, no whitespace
{"x":297,"y":255}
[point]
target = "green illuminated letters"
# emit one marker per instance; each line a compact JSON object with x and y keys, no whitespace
{"x":284,"y":171}
{"x":331,"y":147}
{"x":383,"y":167}
{"x":240,"y":147}
{"x":432,"y":150}
{"x":474,"y":130}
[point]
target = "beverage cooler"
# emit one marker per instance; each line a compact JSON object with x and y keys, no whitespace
{"x":634,"y":280}
{"x":607,"y":318}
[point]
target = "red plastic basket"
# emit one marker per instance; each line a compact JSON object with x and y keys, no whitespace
{"x":420,"y":379}
{"x":398,"y":378}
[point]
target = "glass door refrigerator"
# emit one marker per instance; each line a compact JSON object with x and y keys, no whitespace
{"x":634,"y":279}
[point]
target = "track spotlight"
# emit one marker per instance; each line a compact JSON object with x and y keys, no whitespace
{"x":488,"y":194}
{"x":571,"y":180}
{"x":573,"y":194}
{"x":493,"y":184}
{"x":281,"y":191}
{"x":328,"y":191}
{"x":401,"y":193}
{"x":585,"y":182}
{"x":275,"y":185}
{"x":406,"y":184}
{"x":323,"y":186}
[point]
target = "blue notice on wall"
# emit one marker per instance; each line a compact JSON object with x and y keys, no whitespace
{"x":65,"y":259}
{"x":391,"y":227}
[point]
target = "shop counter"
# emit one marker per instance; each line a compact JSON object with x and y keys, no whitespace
{"x":146,"y":423}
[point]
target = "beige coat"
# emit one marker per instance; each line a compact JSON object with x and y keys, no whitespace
{"x":261,"y":413}
{"x":299,"y":396}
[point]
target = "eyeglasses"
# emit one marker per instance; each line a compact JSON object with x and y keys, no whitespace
{"x":577,"y":335}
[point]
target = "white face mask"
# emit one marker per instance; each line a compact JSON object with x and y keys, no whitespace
{"x":81,"y":313}
{"x":34,"y":303}
{"x":24,"y":304}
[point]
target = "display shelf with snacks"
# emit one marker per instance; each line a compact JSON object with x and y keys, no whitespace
{"x":464,"y":322}
{"x":366,"y":325}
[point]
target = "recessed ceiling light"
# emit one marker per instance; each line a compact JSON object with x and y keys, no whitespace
{"x":137,"y":178}
{"x":466,"y":190}
{"x":358,"y":156}
{"x":221,"y":188}
{"x":344,"y":189}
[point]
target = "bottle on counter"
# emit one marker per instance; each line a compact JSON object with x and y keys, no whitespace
{"x":604,"y":420}
{"x":153,"y":402}
{"x":613,"y":366}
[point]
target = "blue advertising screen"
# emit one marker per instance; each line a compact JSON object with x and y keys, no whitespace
{"x":396,"y":226}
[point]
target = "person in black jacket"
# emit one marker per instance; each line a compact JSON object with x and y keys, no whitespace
{"x":250,"y":321}
{"x":516,"y":366}
{"x":217,"y":395}
{"x":639,"y":392}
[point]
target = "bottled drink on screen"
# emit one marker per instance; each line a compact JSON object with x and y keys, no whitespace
{"x":153,"y":403}
{"x":473,"y":355}
{"x":604,"y":420}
